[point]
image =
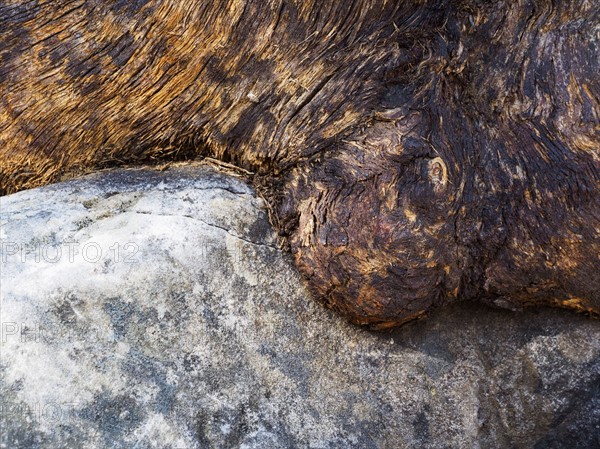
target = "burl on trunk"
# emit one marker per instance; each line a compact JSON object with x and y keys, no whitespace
{"x":412,"y":152}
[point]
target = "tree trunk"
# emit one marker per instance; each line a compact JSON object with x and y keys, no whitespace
{"x":413,"y":153}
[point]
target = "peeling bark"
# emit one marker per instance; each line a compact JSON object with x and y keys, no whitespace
{"x":413,"y":153}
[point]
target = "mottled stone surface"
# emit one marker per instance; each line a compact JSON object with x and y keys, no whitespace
{"x":145,"y":309}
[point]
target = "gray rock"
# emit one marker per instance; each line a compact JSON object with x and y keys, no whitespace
{"x":146,"y":309}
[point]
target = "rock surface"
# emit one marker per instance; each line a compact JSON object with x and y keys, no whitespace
{"x":147,"y":309}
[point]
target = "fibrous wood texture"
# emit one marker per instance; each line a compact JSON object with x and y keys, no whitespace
{"x":412,"y":152}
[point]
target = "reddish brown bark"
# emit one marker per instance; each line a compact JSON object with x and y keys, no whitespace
{"x":413,"y":153}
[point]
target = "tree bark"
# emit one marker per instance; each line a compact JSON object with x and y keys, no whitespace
{"x":414,"y":153}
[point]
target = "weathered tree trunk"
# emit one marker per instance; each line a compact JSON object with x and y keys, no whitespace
{"x":413,"y":152}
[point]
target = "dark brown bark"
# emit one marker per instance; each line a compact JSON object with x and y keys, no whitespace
{"x":413,"y":153}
